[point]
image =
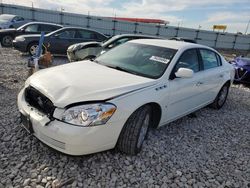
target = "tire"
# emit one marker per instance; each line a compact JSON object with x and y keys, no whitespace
{"x":7,"y":41}
{"x":221,"y":97}
{"x":32,"y":48}
{"x":135,"y":131}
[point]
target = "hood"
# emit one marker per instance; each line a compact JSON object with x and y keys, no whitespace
{"x":85,"y":81}
{"x":4,"y":24}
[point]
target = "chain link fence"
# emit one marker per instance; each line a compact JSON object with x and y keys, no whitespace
{"x":113,"y":27}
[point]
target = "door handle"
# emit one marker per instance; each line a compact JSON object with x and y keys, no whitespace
{"x":199,"y":83}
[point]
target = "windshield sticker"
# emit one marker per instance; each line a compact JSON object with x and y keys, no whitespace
{"x":159,"y":59}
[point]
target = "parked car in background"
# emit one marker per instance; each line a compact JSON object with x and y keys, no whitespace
{"x":88,"y":50}
{"x":58,"y":41}
{"x":111,"y":101}
{"x":11,"y":21}
{"x":242,"y":68}
{"x":7,"y":35}
{"x":183,"y":39}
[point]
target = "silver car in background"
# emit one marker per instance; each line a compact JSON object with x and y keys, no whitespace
{"x":90,"y":50}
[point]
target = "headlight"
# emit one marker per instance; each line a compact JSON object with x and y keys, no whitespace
{"x":89,"y":115}
{"x":20,"y":39}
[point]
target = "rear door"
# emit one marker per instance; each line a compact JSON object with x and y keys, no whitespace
{"x":60,"y":41}
{"x":213,"y":73}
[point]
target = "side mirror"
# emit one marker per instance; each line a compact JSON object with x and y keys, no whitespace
{"x":184,"y":73}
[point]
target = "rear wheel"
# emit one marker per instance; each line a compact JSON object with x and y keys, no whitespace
{"x":135,"y":131}
{"x":221,"y":97}
{"x":7,"y":41}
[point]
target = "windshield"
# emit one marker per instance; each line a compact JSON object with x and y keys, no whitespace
{"x":6,"y":17}
{"x":140,"y":59}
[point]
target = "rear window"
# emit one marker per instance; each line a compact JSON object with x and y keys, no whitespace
{"x":84,"y":34}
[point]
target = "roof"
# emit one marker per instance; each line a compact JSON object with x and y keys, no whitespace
{"x":168,"y":43}
{"x":48,"y":23}
{"x":65,"y":28}
{"x":135,"y":35}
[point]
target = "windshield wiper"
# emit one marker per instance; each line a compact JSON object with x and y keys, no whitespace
{"x":122,"y":69}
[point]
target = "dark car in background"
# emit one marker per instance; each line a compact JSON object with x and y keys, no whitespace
{"x":242,"y":69}
{"x":89,"y":50}
{"x":11,"y":21}
{"x":57,"y":41}
{"x":7,"y":35}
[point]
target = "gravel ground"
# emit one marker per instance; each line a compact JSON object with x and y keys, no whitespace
{"x":210,"y":150}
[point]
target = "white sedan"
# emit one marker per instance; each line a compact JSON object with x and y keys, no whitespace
{"x":91,"y":106}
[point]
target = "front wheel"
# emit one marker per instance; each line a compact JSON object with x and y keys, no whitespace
{"x":33,"y":47}
{"x":221,"y":97}
{"x":7,"y":41}
{"x":134,"y":131}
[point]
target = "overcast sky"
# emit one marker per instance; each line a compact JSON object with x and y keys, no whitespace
{"x":186,"y":13}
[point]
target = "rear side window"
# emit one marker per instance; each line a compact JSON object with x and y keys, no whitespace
{"x":67,"y":34}
{"x":210,"y":59}
{"x":48,"y":28}
{"x":18,"y":19}
{"x":101,"y":37}
{"x":84,"y":34}
{"x":189,"y":59}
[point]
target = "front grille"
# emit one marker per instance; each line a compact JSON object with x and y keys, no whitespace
{"x":37,"y":100}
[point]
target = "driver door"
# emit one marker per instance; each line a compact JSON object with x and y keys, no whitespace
{"x":185,"y":93}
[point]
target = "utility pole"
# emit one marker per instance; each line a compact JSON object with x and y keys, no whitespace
{"x":247,"y":27}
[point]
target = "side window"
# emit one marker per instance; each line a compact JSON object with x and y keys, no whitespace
{"x":47,"y":28}
{"x":31,"y":28}
{"x":68,"y":34}
{"x":210,"y":59}
{"x":101,"y":37}
{"x":118,"y":42}
{"x":18,"y":19}
{"x":84,"y":34}
{"x":189,"y":59}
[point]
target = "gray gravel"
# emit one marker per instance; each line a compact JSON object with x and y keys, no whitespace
{"x":211,"y":150}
